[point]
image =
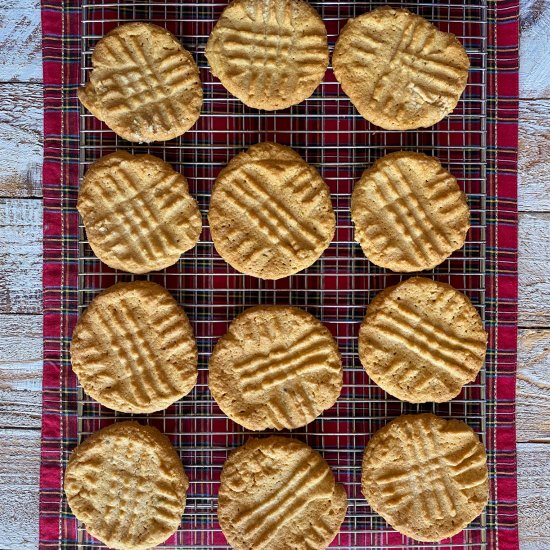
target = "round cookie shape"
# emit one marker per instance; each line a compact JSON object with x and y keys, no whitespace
{"x":409,"y":212}
{"x":278,"y":493}
{"x":144,"y":84}
{"x":277,"y":367}
{"x":138,"y":213}
{"x":270,"y":55}
{"x":426,"y":476}
{"x":133,"y":349}
{"x":422,"y":341}
{"x":270,"y":213}
{"x":127,"y":485}
{"x":398,"y":69}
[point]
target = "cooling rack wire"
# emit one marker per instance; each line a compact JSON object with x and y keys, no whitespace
{"x":328,"y":132}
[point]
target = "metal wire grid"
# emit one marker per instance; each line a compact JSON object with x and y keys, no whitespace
{"x":331,"y":135}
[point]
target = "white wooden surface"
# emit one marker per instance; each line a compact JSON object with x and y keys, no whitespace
{"x":20,"y":271}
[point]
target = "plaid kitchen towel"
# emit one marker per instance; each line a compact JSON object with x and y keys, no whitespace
{"x":478,"y":143}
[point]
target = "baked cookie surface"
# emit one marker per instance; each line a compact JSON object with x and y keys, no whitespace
{"x":426,"y":476}
{"x":277,"y":367}
{"x":127,"y":485}
{"x":133,"y":349}
{"x":144,"y":84}
{"x":422,"y":341}
{"x":270,"y":213}
{"x":398,"y":69}
{"x":138,"y":213}
{"x":409,"y":213}
{"x":270,"y":55}
{"x":277,"y":493}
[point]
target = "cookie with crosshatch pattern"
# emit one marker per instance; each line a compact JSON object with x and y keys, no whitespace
{"x":269,"y":54}
{"x":138,"y":213}
{"x":278,"y":493}
{"x":426,"y":476}
{"x":422,"y":340}
{"x":277,"y":367}
{"x":409,"y":212}
{"x":270,"y":213}
{"x":133,"y":349}
{"x":127,"y":485}
{"x":400,"y":71}
{"x":144,"y":84}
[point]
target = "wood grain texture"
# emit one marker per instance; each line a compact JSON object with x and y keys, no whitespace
{"x":534,"y":272}
{"x":19,"y":474}
{"x":20,"y":371}
{"x":533,"y":386}
{"x":21,"y":377}
{"x":20,"y":256}
{"x":533,"y":159}
{"x":19,"y":497}
{"x":534,"y":64}
{"x":21,"y":131}
{"x":534,"y":496}
{"x":20,"y":41}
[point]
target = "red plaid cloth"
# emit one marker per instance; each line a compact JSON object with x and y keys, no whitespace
{"x":477,"y":143}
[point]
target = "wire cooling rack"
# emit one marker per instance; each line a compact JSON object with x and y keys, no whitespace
{"x":329,"y":133}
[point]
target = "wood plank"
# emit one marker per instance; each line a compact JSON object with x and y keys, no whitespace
{"x":20,"y":41}
{"x":19,"y":496}
{"x":533,"y":159}
{"x":20,"y":238}
{"x":534,"y":496}
{"x":21,"y":133}
{"x":21,"y":137}
{"x":20,"y":256}
{"x":534,"y":270}
{"x":20,"y":56}
{"x":20,"y":371}
{"x":21,"y":377}
{"x":533,"y":386}
{"x":20,"y":36}
{"x":534,"y":64}
{"x":19,"y":475}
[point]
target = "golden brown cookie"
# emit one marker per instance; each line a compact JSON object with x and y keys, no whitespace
{"x":127,"y":485}
{"x":133,"y":349}
{"x":277,"y":367}
{"x":398,"y":69}
{"x":422,"y":341}
{"x":427,"y":477}
{"x":270,"y":55}
{"x":144,"y":85}
{"x":138,"y":213}
{"x":278,"y":493}
{"x":270,"y":213}
{"x":409,"y":212}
